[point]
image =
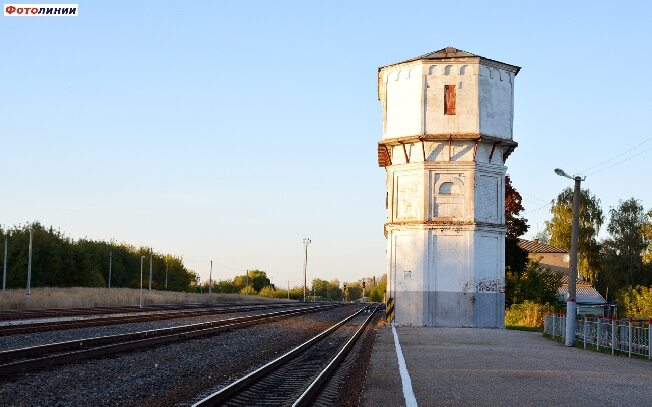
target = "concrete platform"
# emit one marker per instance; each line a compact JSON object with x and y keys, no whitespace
{"x":467,"y":366}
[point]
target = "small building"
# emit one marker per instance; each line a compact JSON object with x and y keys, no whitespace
{"x":589,"y":300}
{"x":549,"y":257}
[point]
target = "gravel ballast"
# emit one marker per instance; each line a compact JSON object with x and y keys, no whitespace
{"x":167,"y":374}
{"x":41,"y":338}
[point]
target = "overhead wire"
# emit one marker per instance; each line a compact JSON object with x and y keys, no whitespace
{"x":539,"y":208}
{"x":624,"y":153}
{"x":600,"y":168}
{"x":620,"y":162}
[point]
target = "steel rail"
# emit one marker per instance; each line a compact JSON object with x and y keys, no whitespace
{"x":34,"y":313}
{"x":8,"y":315}
{"x":79,"y":349}
{"x":221,"y":396}
{"x":18,"y":329}
{"x":312,"y":391}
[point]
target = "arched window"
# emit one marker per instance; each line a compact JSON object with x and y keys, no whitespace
{"x":448,"y":188}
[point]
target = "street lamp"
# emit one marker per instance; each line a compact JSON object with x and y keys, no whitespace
{"x":142,"y":258}
{"x":210,"y":279}
{"x":305,"y":242}
{"x":110,"y":265}
{"x":28,"y":292}
{"x":151,"y":256}
{"x":4,"y":269}
{"x":571,"y":306}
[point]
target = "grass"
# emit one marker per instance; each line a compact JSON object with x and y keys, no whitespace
{"x":71,"y":297}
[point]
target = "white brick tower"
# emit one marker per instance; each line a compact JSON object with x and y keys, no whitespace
{"x":447,"y":131}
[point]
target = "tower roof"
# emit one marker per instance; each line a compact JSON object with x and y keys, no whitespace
{"x":449,"y":53}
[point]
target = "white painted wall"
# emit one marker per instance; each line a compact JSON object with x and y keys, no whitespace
{"x":496,"y":102}
{"x":449,"y":260}
{"x":413,"y":99}
{"x":403,"y":95}
{"x":465,"y":119}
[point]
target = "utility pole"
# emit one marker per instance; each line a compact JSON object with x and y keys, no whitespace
{"x":306,"y":242}
{"x":4,"y":269}
{"x":247,"y":282}
{"x":29,"y":268}
{"x":288,"y":289}
{"x":110,"y":265}
{"x":571,"y":305}
{"x":210,"y":279}
{"x":166,"y":275}
{"x":150,"y":269}
{"x":142,"y":258}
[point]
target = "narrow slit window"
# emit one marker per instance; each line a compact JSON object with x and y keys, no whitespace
{"x":449,"y":99}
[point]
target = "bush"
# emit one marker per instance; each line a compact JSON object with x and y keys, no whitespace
{"x":528,"y":314}
{"x":635,"y":302}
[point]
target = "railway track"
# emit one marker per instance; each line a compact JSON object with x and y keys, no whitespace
{"x":33,"y":327}
{"x":297,"y":377}
{"x":34,"y":357}
{"x":67,"y":312}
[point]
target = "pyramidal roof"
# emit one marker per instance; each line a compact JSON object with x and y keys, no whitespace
{"x":449,"y":52}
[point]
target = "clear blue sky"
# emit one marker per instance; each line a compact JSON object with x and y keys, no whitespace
{"x":229,"y":130}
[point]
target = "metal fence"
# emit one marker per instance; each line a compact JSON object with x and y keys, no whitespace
{"x":623,"y":336}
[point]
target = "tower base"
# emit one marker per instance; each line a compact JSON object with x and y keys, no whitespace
{"x":450,"y":309}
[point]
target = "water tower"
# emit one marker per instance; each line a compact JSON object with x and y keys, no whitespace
{"x":447,"y":131}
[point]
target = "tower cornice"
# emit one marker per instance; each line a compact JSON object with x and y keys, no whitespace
{"x":395,"y":141}
{"x":384,"y":156}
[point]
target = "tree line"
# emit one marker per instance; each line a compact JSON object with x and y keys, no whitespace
{"x":59,"y":261}
{"x":256,"y":282}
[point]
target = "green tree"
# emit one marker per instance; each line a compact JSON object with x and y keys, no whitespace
{"x":647,"y":233}
{"x":635,"y":302}
{"x":591,"y":219}
{"x":377,"y":292}
{"x":515,"y":257}
{"x":327,"y":290}
{"x":226,"y":287}
{"x":296,"y":293}
{"x":623,"y":252}
{"x":257,"y":279}
{"x":353,"y":291}
{"x":535,"y":284}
